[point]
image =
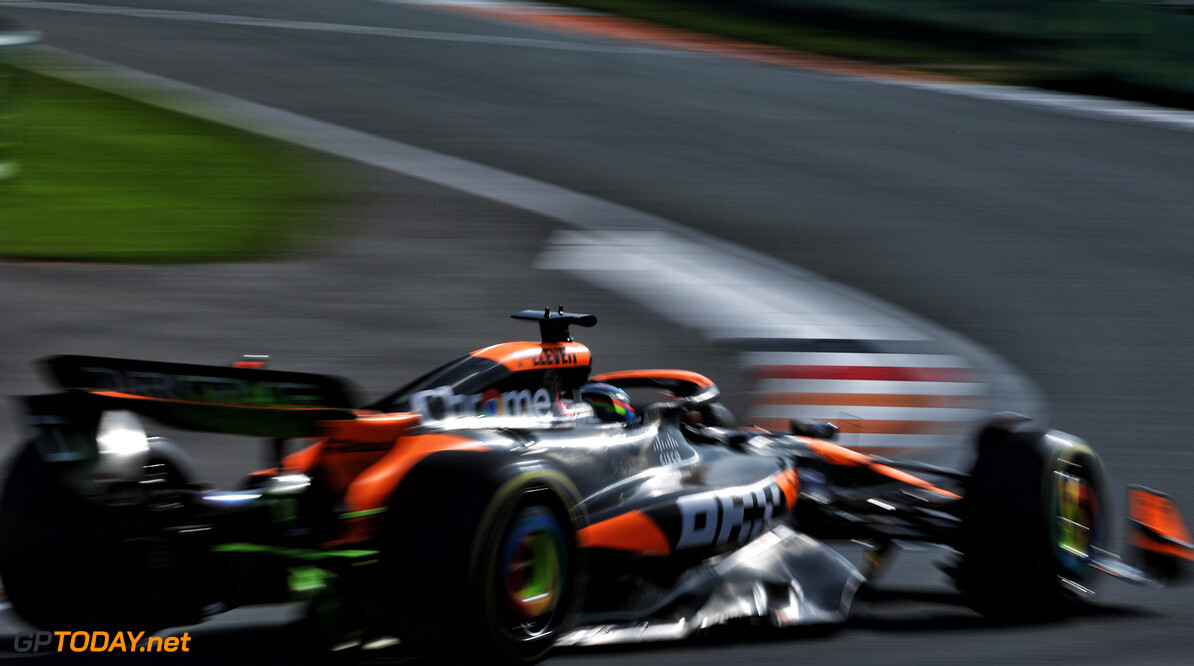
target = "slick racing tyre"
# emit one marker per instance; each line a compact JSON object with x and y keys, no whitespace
{"x":482,"y":568}
{"x":1033,"y":518}
{"x":69,"y":563}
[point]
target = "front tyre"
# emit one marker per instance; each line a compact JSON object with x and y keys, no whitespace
{"x":526,"y":564}
{"x":1033,"y":519}
{"x":482,"y":564}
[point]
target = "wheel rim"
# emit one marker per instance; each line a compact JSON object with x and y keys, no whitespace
{"x":1077,"y":520}
{"x":533,"y":573}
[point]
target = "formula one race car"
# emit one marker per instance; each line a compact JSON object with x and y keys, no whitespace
{"x":508,"y":501}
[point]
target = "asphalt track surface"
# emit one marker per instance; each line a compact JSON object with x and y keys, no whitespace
{"x":1061,"y":242}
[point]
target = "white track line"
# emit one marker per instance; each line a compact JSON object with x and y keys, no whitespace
{"x":315,"y":26}
{"x":691,"y":279}
{"x":1084,"y":106}
{"x":495,"y":6}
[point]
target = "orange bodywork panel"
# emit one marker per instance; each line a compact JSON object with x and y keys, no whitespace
{"x":1159,"y":515}
{"x":370,"y":490}
{"x":300,"y":461}
{"x":303,"y":459}
{"x":836,"y":454}
{"x":789,"y":482}
{"x":840,"y":455}
{"x":371,"y":427}
{"x":352,"y":446}
{"x":518,"y":356}
{"x":372,"y":487}
{"x":632,"y":531}
{"x":348,"y":447}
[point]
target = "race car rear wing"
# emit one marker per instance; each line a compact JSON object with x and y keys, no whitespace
{"x":232,"y":400}
{"x":211,"y":384}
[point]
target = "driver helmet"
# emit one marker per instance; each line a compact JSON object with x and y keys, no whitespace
{"x":610,"y":404}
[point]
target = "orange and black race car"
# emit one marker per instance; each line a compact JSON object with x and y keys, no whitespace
{"x":510,"y":501}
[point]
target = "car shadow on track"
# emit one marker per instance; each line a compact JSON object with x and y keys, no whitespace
{"x":910,"y":610}
{"x":290,"y":643}
{"x":887,"y":610}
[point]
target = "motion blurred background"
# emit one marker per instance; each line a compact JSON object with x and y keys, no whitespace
{"x":1042,"y":238}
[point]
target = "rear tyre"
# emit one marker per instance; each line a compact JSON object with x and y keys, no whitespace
{"x":67,"y":562}
{"x":1033,"y":517}
{"x":482,"y":571}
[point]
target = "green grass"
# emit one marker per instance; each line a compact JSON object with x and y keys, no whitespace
{"x":106,"y":179}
